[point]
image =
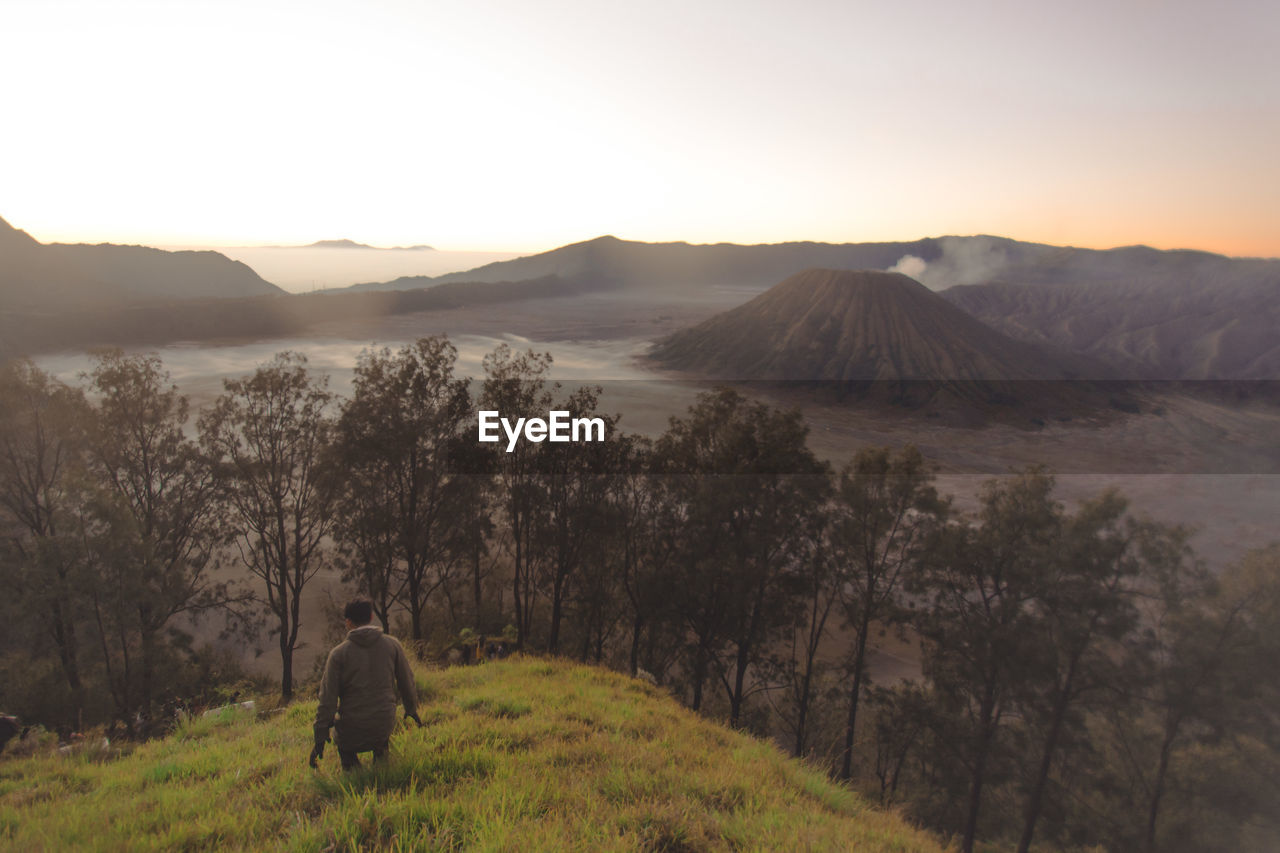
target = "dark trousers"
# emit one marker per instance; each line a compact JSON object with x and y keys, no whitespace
{"x":350,"y":758}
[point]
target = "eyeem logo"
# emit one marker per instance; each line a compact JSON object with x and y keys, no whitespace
{"x":558,"y":426}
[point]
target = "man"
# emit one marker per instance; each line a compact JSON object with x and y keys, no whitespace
{"x":362,"y":678}
{"x":9,"y":728}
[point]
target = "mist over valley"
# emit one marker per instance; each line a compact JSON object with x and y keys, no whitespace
{"x":655,"y":324}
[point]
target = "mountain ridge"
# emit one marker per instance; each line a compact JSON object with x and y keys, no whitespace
{"x":609,"y":262}
{"x":1216,"y":318}
{"x":37,"y":276}
{"x":1147,"y":313}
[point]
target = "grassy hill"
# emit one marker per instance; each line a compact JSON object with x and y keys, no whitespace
{"x":516,"y":755}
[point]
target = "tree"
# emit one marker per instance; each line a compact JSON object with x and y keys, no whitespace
{"x":1087,"y":609}
{"x":40,"y":446}
{"x":901,"y":717}
{"x":801,"y":669}
{"x":647,"y":541}
{"x":573,"y":483}
{"x":885,"y":505}
{"x":158,"y":512}
{"x":409,"y":503}
{"x":748,"y":493}
{"x":1251,"y":589}
{"x":1191,"y":635}
{"x":516,"y":386}
{"x":973,"y":609}
{"x":1248,"y":786}
{"x":269,"y":431}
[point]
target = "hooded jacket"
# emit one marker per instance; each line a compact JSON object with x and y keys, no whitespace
{"x":362,"y":678}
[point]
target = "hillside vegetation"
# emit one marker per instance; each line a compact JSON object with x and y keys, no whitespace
{"x":515,"y":755}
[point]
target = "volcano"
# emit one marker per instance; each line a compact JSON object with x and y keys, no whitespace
{"x":859,"y":331}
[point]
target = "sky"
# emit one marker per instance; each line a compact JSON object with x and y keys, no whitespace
{"x":519,"y":126}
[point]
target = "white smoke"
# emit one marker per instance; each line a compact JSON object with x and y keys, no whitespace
{"x":910,"y":265}
{"x":964,"y":260}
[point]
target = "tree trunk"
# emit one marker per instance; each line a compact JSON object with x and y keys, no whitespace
{"x":637,"y":626}
{"x":64,"y":637}
{"x":475,"y":580}
{"x":415,"y":601}
{"x":148,"y":671}
{"x":1046,"y":760}
{"x":850,"y":729}
{"x":896,"y":773}
{"x":739,"y":681}
{"x":985,"y":731}
{"x":126,"y":679}
{"x":699,"y":676}
{"x":557,"y":604}
{"x":802,"y":710}
{"x":522,"y":628}
{"x":286,"y":667}
{"x":1157,"y":788}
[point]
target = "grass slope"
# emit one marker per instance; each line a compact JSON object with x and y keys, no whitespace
{"x":516,"y":755}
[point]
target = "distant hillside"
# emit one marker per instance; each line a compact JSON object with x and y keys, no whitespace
{"x":607,"y":262}
{"x":57,"y":276}
{"x":515,"y":755}
{"x":1164,"y":315}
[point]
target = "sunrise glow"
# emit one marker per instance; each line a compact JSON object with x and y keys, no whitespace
{"x":512,"y":126}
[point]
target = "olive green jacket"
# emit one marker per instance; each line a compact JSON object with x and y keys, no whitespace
{"x":361,"y":681}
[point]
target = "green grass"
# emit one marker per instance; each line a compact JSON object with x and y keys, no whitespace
{"x":517,"y":755}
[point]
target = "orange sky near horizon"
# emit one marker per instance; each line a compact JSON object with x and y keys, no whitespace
{"x":500,"y":125}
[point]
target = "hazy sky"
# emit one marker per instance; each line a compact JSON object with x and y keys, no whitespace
{"x":521,"y":125}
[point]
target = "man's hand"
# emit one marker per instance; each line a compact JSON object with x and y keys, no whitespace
{"x":413,"y":715}
{"x":317,"y":751}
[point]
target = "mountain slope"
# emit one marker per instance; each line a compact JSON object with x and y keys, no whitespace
{"x":56,"y":276}
{"x":515,"y":755}
{"x":1164,"y":315}
{"x":829,"y":325}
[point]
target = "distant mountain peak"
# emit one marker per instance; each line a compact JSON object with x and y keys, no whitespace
{"x":352,"y":244}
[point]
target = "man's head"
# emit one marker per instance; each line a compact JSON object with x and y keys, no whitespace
{"x":358,"y":613}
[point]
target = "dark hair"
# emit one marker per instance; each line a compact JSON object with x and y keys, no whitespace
{"x":360,"y":612}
